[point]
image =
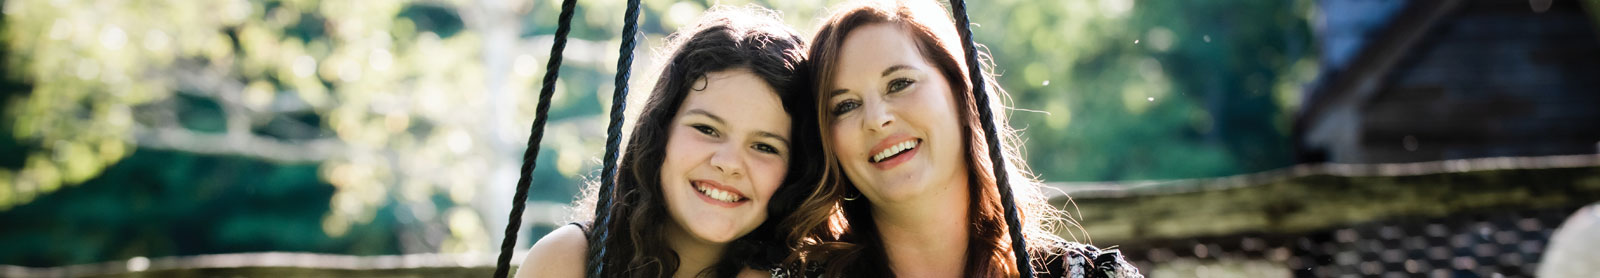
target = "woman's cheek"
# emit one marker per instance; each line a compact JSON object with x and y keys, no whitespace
{"x":844,"y":142}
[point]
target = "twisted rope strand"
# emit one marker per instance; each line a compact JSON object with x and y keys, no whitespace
{"x":980,"y":96}
{"x":529,"y":157}
{"x":614,"y":132}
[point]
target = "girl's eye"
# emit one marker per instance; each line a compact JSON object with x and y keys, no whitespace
{"x":845,"y":106}
{"x":765,"y":148}
{"x":707,"y":130}
{"x":900,"y":84}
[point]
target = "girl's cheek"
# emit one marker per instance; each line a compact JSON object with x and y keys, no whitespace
{"x":772,"y":178}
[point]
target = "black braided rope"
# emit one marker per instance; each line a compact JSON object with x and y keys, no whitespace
{"x":529,"y":157}
{"x":1019,"y":245}
{"x":608,"y":175}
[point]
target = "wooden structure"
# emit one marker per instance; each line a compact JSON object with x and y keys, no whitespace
{"x":1476,"y":218}
{"x":1453,"y":79}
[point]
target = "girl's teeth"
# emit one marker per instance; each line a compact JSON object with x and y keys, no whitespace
{"x":719,"y":194}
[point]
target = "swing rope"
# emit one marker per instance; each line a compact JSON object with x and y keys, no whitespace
{"x":529,"y":157}
{"x":619,"y":97}
{"x":980,"y":96}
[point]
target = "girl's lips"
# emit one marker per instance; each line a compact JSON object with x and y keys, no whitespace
{"x":710,"y":184}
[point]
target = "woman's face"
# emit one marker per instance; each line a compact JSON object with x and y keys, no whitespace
{"x":896,"y":132}
{"x":726,"y":155}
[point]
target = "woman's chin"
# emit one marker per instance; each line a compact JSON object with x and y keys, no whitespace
{"x":903,"y":190}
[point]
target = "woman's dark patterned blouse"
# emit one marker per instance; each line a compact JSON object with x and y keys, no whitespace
{"x":1077,"y":260}
{"x":1067,"y":260}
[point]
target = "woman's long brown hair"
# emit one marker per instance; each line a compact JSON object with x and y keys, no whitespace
{"x":750,"y":38}
{"x":841,"y":235}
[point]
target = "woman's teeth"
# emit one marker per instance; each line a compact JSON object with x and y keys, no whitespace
{"x":720,"y":195}
{"x":894,"y":150}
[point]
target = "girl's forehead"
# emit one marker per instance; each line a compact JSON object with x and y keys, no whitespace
{"x":741,"y":99}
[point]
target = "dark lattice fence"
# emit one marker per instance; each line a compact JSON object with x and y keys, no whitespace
{"x":1493,"y":244}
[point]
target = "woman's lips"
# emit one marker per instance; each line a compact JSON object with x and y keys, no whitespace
{"x":716,"y":194}
{"x":894,"y":150}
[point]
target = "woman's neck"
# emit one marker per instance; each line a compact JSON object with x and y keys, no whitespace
{"x":694,"y":255}
{"x":926,"y":237}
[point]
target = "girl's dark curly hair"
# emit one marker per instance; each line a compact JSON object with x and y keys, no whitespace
{"x":749,"y":38}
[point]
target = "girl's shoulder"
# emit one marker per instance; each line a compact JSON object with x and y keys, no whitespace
{"x":554,"y":254}
{"x":1077,"y":260}
{"x":756,"y":273}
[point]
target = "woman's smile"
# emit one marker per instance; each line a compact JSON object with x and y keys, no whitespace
{"x":893,"y":151}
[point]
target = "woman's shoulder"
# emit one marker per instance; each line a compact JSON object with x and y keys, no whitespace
{"x":557,"y":254}
{"x":1078,"y":260}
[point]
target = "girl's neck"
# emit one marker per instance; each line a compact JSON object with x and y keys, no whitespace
{"x":926,"y":237}
{"x":694,"y":255}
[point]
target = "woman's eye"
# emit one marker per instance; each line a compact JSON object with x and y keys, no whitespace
{"x":765,"y":148}
{"x":845,"y":106}
{"x":707,"y":130}
{"x":900,"y":84}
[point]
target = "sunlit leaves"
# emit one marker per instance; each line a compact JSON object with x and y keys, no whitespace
{"x":1150,"y":89}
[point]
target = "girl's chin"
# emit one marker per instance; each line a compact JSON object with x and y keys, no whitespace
{"x":714,"y":238}
{"x":719,"y":233}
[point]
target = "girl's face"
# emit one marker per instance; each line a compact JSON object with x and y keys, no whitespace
{"x":896,"y":132}
{"x":726,"y":155}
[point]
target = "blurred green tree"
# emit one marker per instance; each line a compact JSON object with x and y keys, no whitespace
{"x":392,"y":100}
{"x":1129,"y":90}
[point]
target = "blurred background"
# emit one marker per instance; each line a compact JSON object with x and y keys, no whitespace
{"x":1226,"y":138}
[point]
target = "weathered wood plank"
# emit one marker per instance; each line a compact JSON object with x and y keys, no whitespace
{"x":1308,"y":203}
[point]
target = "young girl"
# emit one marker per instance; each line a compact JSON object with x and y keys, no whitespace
{"x":909,"y":165}
{"x":725,"y":142}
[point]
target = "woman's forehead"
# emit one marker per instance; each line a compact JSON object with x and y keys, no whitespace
{"x":873,"y":51}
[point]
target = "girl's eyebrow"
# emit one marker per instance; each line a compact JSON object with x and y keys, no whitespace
{"x":698,"y":111}
{"x":773,"y":136}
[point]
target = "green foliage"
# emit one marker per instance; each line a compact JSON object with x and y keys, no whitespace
{"x":1124,"y":90}
{"x":163,"y":203}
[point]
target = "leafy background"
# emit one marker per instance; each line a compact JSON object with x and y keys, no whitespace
{"x":169,"y":127}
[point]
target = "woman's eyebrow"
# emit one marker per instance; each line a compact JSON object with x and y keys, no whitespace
{"x":894,"y":68}
{"x":886,"y":72}
{"x":838,"y":92}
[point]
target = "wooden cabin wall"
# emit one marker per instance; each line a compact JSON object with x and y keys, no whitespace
{"x":1495,"y":79}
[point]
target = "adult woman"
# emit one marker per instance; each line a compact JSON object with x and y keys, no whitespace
{"x":724,"y":143}
{"x":909,"y":165}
